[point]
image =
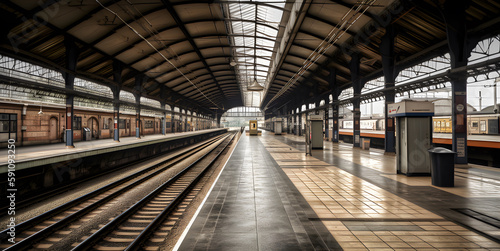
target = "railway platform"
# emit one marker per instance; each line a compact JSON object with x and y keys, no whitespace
{"x":29,"y":156}
{"x":271,"y":196}
{"x":45,"y":167}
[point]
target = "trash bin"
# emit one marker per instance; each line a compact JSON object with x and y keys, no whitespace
{"x":87,"y":134}
{"x":365,"y":143}
{"x":443,"y":167}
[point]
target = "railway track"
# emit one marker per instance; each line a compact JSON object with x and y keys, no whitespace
{"x":110,"y":219}
{"x":45,"y":194}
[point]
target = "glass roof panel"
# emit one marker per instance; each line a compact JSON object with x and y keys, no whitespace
{"x":254,"y":26}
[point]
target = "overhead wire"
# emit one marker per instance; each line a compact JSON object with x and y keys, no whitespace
{"x":155,"y":49}
{"x":332,"y":37}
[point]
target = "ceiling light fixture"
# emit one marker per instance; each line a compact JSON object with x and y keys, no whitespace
{"x":255,"y":87}
{"x":233,"y":63}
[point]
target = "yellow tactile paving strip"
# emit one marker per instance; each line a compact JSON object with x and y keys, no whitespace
{"x":362,"y":216}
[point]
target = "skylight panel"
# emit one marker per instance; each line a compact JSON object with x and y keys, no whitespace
{"x":248,"y":22}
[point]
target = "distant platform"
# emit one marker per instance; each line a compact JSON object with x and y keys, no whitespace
{"x":31,"y":156}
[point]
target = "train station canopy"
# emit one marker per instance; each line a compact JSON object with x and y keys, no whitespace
{"x":205,"y":54}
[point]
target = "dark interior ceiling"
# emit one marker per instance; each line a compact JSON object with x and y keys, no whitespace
{"x":421,"y":35}
{"x":193,"y":69}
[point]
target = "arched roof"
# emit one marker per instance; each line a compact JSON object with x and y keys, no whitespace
{"x":184,"y":48}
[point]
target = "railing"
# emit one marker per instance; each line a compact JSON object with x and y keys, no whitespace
{"x":30,"y":77}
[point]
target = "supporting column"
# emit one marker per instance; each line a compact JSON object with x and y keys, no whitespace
{"x":295,"y":122}
{"x":163,"y":98}
{"x":69,"y":121}
{"x":304,"y":114}
{"x":327,"y":131}
{"x":218,"y":117}
{"x":172,"y":129}
{"x":390,"y":74}
{"x":356,"y":84}
{"x":332,"y":82}
{"x":196,"y":120}
{"x":117,"y":77}
{"x":116,"y":114}
{"x":178,"y":125}
{"x":163,"y":119}
{"x":138,"y":118}
{"x":69,"y":79}
{"x":460,"y":49}
{"x":138,"y":85}
{"x":335,"y":121}
{"x":300,"y":124}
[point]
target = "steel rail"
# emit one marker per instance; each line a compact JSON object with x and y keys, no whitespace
{"x":110,"y":226}
{"x":27,"y":242}
{"x":144,"y":235}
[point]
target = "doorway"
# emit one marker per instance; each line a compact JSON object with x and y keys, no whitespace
{"x":53,"y":129}
{"x":93,"y":125}
{"x":111,"y":127}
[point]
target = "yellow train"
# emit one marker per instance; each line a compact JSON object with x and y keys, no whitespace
{"x":476,"y":124}
{"x":442,"y":124}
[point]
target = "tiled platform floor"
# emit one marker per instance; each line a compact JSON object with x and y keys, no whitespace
{"x":365,"y":205}
{"x":271,"y":196}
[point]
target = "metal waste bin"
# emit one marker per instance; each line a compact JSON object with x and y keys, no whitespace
{"x":365,"y":143}
{"x":87,"y":134}
{"x":443,"y":167}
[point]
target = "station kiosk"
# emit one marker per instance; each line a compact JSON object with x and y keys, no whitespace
{"x":413,"y":136}
{"x":277,"y":126}
{"x":253,"y":128}
{"x":315,"y":125}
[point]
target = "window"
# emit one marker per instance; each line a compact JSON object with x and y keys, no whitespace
{"x":475,"y":124}
{"x":121,"y":124}
{"x":148,"y":124}
{"x":105,"y":123}
{"x":483,"y":125}
{"x":8,"y":127}
{"x":77,"y":123}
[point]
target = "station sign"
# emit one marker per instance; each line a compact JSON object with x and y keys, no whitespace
{"x":316,"y":117}
{"x":408,"y":108}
